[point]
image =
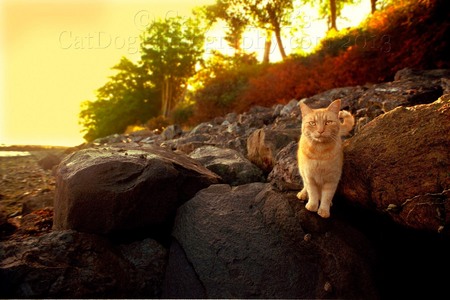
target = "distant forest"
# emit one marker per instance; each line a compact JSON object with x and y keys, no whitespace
{"x":173,"y":82}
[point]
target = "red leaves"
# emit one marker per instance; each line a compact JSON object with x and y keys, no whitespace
{"x":408,"y":35}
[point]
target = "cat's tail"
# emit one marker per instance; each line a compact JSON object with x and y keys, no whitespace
{"x":347,"y":124}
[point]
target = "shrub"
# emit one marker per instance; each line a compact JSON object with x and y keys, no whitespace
{"x":158,"y":123}
{"x":182,"y":113}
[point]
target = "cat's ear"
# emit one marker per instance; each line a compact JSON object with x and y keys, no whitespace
{"x":335,"y":106}
{"x":305,"y":109}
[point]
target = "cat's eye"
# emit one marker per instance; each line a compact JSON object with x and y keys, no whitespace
{"x":329,"y":122}
{"x":312,"y":123}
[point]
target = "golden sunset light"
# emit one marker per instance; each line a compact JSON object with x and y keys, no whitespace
{"x":258,"y":148}
{"x":55,"y":54}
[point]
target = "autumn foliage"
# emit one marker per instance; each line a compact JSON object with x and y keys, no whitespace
{"x":413,"y":34}
{"x":177,"y":82}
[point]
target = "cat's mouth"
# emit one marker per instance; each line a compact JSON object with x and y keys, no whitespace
{"x":321,"y":138}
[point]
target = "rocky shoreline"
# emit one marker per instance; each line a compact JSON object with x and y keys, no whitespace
{"x":27,"y":186}
{"x":212,"y":212}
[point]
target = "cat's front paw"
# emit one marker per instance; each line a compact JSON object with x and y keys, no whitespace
{"x":302,"y":195}
{"x":312,"y":206}
{"x":324,"y":213}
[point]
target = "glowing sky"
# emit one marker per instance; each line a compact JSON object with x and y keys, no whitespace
{"x":55,"y":54}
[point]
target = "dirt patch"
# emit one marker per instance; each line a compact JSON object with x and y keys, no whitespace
{"x":26,"y":190}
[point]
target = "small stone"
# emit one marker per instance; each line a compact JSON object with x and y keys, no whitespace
{"x":391,"y":207}
{"x":327,"y":287}
{"x":307,"y":237}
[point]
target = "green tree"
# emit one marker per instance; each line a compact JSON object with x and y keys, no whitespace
{"x":271,"y":15}
{"x":128,"y":98}
{"x":234,"y":18}
{"x":268,"y":15}
{"x":171,"y":49}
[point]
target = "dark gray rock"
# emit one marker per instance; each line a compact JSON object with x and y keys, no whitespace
{"x":39,"y":201}
{"x":348,"y":95}
{"x":181,"y":281}
{"x":187,"y":143}
{"x":399,"y":164}
{"x":287,"y":109}
{"x":201,"y":128}
{"x":253,"y":242}
{"x":171,"y":132}
{"x":420,"y":75}
{"x":229,"y":164}
{"x":148,"y":261}
{"x":119,"y":189}
{"x":49,"y":161}
{"x":231,"y":117}
{"x":69,"y":264}
{"x":387,"y":96}
{"x":445,"y":83}
{"x":3,"y":217}
{"x":264,"y":144}
{"x":410,"y":87}
{"x":285,"y":174}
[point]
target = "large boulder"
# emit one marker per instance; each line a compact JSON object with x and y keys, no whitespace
{"x":229,"y":164}
{"x":105,"y":190}
{"x":251,"y":241}
{"x":399,"y":164}
{"x":70,"y":264}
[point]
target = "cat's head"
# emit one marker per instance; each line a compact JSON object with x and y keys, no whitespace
{"x":321,"y":125}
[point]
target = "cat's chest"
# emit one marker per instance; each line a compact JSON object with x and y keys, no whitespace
{"x":322,"y":166}
{"x":322,"y":171}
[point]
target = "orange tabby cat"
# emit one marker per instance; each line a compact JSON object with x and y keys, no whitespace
{"x":320,"y":155}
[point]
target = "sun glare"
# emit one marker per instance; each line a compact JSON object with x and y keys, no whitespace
{"x":55,"y":54}
{"x":302,"y":37}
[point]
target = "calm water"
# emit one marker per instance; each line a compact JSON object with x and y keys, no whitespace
{"x":14,"y":153}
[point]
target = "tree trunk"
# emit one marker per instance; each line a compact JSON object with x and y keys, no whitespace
{"x":165,"y":97}
{"x":280,"y":42}
{"x":373,"y":5}
{"x":267,"y":45}
{"x":169,"y":97}
{"x":333,"y":16}
{"x":237,"y":38}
